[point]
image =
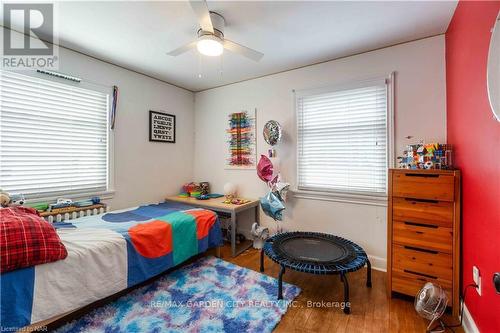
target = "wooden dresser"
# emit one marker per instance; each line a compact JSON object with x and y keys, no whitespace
{"x":423,"y":232}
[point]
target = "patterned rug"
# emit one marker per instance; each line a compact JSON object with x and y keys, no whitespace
{"x":210,"y":295}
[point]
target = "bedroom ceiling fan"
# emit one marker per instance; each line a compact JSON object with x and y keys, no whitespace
{"x":211,"y":41}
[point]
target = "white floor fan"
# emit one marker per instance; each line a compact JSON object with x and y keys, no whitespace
{"x":211,"y":40}
{"x":430,"y":303}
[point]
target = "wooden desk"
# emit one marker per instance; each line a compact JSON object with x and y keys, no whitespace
{"x":217,"y":205}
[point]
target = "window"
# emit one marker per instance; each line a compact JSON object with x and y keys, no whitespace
{"x":343,"y":139}
{"x":53,"y":137}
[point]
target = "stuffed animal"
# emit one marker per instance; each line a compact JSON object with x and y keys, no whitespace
{"x":4,"y":199}
{"x":17,"y":200}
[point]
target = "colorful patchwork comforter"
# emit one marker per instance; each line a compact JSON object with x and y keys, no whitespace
{"x":106,"y":254}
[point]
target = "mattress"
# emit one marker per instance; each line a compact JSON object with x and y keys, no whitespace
{"x":107,"y":253}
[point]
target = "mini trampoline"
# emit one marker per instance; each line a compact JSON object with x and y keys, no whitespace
{"x":316,"y":253}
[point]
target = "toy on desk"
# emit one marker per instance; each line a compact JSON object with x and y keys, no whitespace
{"x":236,"y":201}
{"x":209,"y":196}
{"x":205,"y":188}
{"x":191,"y":188}
{"x":229,"y":191}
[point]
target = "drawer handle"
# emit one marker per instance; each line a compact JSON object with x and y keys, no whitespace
{"x":421,"y":274}
{"x":431,"y":226}
{"x":415,"y":200}
{"x":420,"y":250}
{"x":423,"y":175}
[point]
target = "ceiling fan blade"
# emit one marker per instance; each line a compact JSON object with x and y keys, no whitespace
{"x":242,"y":50}
{"x":200,"y":8}
{"x":182,"y":49}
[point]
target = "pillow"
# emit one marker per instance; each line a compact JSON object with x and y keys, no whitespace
{"x":27,"y":239}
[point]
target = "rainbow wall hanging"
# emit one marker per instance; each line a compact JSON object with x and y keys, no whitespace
{"x":241,"y":141}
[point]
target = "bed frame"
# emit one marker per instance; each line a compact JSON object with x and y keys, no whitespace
{"x":57,"y":321}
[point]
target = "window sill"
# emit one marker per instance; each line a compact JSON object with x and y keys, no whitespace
{"x":360,"y":199}
{"x":104,"y":195}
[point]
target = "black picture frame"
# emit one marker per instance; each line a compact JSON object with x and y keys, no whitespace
{"x":152,"y":125}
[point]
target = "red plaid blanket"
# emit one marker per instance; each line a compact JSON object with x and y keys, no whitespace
{"x":26,"y":239}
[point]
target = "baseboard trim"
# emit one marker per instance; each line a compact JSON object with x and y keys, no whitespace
{"x":378,"y":263}
{"x":469,"y":324}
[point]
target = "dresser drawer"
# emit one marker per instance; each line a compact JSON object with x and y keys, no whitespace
{"x":423,"y":211}
{"x":426,"y":236}
{"x":410,"y":284}
{"x":427,"y":185}
{"x":428,"y":263}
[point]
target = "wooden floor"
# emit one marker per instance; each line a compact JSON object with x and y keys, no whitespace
{"x":371,"y":309}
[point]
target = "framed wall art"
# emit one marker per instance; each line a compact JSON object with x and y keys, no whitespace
{"x":161,"y":127}
{"x":241,"y":141}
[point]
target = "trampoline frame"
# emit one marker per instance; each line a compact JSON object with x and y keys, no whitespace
{"x":319,"y":268}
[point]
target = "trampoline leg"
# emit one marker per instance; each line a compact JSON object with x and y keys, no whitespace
{"x":347,"y":307}
{"x":262,"y":260}
{"x":368,"y":274}
{"x":280,"y":282}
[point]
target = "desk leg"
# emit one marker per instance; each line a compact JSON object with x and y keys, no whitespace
{"x":257,"y":214}
{"x":233,"y":234}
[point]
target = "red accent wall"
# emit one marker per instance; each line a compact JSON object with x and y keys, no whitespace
{"x":475,"y":135}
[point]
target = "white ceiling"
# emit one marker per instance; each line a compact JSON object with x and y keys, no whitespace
{"x":137,"y":35}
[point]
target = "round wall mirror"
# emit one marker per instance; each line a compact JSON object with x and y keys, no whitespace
{"x":493,"y":72}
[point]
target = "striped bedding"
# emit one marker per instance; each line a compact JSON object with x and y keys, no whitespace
{"x":106,"y":254}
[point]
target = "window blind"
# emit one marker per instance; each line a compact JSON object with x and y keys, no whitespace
{"x":53,"y":137}
{"x":342,"y":139}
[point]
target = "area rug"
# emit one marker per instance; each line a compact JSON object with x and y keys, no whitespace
{"x":210,"y":295}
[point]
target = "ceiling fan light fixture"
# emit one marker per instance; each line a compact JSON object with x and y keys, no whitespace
{"x":210,"y":46}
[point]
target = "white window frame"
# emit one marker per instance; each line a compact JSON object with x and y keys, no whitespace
{"x":110,"y":190}
{"x":339,"y":195}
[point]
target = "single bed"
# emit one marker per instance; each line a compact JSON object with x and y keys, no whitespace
{"x":107,"y":253}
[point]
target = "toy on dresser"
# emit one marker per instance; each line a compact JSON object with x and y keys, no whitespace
{"x":426,"y":156}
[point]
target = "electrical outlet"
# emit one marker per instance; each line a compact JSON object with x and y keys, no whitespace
{"x":476,"y":277}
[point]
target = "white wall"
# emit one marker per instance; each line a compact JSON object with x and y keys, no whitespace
{"x":419,"y":112}
{"x":144,"y":171}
